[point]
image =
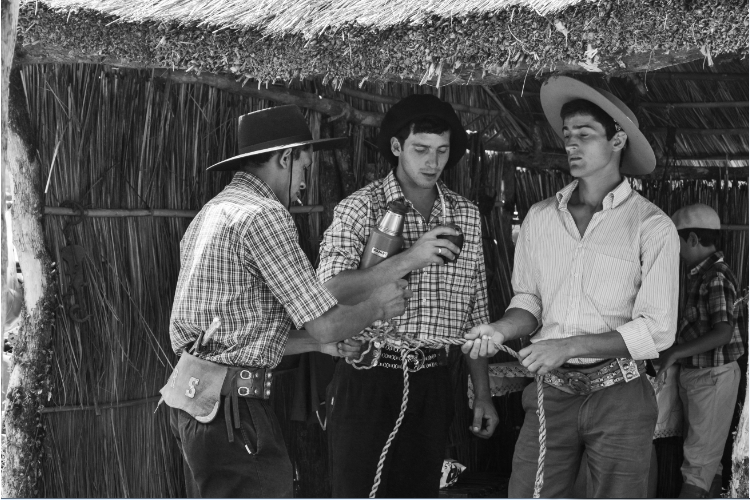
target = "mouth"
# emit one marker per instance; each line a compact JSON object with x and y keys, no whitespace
{"x":430,"y":175}
{"x":574,"y":158}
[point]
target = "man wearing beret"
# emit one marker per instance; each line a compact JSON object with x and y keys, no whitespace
{"x":596,"y":273}
{"x":420,"y":136}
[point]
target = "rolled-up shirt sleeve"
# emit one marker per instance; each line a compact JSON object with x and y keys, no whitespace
{"x":344,"y":240}
{"x":479,"y":310}
{"x":285,"y":268}
{"x":524,"y":280}
{"x":654,"y":322}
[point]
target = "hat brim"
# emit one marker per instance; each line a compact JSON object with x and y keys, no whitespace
{"x":234,"y":162}
{"x":637,"y":159}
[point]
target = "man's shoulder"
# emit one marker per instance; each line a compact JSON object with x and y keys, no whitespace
{"x":722,"y":272}
{"x":242,"y":207}
{"x":547,"y":205}
{"x":462,"y":203}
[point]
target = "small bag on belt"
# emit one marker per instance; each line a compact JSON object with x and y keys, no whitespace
{"x":195,"y":387}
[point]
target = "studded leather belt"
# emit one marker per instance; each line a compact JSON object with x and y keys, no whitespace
{"x":417,"y":359}
{"x":248,"y":382}
{"x":583,"y":381}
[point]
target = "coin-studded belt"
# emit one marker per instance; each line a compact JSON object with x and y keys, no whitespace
{"x":582,"y":381}
{"x":417,"y":359}
{"x":248,"y":382}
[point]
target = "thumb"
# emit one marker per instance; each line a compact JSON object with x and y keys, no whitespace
{"x":478,"y":416}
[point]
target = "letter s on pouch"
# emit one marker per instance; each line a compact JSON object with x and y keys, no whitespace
{"x":191,"y":387}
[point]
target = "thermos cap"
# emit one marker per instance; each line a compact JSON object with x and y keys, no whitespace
{"x":393,"y":220}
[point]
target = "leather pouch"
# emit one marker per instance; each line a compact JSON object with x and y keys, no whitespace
{"x":195,"y":387}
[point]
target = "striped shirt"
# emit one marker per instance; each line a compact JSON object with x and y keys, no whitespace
{"x":711,"y":290}
{"x":240,"y":260}
{"x":623,"y":274}
{"x":448,"y":300}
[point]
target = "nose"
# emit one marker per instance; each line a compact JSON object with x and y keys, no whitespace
{"x":432,"y":160}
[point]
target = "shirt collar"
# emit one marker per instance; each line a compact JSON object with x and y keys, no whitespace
{"x":393,"y":191}
{"x":613,"y":199}
{"x":707,"y":263}
{"x":255,"y":184}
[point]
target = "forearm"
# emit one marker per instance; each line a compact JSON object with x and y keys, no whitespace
{"x":300,"y":341}
{"x":600,"y":345}
{"x":343,"y":321}
{"x":516,"y":323}
{"x":355,"y":285}
{"x":480,"y":379}
{"x":720,"y":335}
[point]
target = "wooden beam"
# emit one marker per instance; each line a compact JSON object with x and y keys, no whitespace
{"x":700,"y":105}
{"x":157,"y":212}
{"x":700,"y":131}
{"x":675,"y":75}
{"x":384,"y":99}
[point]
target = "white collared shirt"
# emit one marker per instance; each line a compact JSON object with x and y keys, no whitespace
{"x":623,"y":274}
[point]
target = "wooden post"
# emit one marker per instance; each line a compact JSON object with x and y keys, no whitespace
{"x":28,"y":387}
{"x":738,"y":486}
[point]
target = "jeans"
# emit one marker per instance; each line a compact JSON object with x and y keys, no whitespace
{"x":363,"y":408}
{"x":216,"y":468}
{"x":614,"y":425}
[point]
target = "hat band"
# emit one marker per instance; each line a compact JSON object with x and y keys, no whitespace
{"x":274,"y":143}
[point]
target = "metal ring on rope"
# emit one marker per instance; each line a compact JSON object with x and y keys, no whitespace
{"x":385,"y":333}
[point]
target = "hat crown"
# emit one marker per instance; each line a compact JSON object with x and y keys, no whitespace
{"x":624,"y":109}
{"x":265,"y":128}
{"x":697,"y":215}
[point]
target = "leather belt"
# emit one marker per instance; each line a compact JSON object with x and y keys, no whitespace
{"x":417,"y":359}
{"x":585,"y":380}
{"x":248,"y":382}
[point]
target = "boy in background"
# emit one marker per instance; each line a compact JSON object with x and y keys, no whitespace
{"x":707,"y":347}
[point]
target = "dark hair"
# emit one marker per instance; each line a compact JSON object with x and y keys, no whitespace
{"x":706,"y":237}
{"x":260,"y":159}
{"x":584,"y":107}
{"x":426,"y":125}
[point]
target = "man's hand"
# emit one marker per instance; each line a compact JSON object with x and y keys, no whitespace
{"x":666,"y":359}
{"x":390,"y":299}
{"x":349,"y":348}
{"x":543,"y":356}
{"x":482,"y":341}
{"x":485,"y":418}
{"x":429,"y":248}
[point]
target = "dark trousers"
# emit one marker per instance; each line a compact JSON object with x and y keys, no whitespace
{"x":615,"y":425}
{"x":363,"y":408}
{"x":216,"y":468}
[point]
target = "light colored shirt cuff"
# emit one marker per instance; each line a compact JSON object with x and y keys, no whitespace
{"x":638,"y":340}
{"x":527,"y":302}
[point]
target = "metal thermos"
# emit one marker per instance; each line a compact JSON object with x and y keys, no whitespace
{"x":386,"y":240}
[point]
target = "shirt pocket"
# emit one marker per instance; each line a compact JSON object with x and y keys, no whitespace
{"x":611,"y":284}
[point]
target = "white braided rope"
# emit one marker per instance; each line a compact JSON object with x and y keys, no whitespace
{"x":388,"y":334}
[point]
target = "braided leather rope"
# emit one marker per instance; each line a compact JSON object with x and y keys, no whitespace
{"x":385,"y":333}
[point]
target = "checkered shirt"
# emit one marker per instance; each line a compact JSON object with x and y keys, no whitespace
{"x":711,"y":290}
{"x":240,"y":260}
{"x":448,"y":300}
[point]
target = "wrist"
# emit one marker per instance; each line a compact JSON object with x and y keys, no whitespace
{"x":571,"y":348}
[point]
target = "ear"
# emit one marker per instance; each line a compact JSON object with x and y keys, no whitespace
{"x":395,"y":147}
{"x":619,"y":140}
{"x":693,"y":239}
{"x":285,"y":158}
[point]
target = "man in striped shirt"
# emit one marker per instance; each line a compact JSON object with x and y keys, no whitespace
{"x":596,"y":277}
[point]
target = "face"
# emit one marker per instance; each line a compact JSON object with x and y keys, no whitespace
{"x":589,"y":151}
{"x":299,"y":174}
{"x":422,"y":158}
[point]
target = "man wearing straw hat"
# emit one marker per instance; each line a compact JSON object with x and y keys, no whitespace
{"x":244,"y":283}
{"x":596,"y":273}
{"x":420,"y":136}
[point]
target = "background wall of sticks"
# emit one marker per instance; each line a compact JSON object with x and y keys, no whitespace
{"x":114,"y":138}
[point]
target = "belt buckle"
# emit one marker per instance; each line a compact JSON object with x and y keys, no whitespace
{"x":415,"y":356}
{"x":578,"y":382}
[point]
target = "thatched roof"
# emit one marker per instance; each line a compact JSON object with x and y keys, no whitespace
{"x":478,"y":41}
{"x":311,"y":17}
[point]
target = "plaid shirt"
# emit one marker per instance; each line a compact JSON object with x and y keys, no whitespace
{"x":448,"y":300}
{"x":241,"y":261}
{"x":711,"y":292}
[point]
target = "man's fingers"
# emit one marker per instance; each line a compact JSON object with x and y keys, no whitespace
{"x":402,"y":283}
{"x":478,"y":416}
{"x":440,"y":230}
{"x":483,"y":348}
{"x":408,"y":294}
{"x":524,"y":352}
{"x":475,"y":349}
{"x":466,"y":348}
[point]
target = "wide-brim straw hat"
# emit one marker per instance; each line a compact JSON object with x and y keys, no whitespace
{"x":273,"y":129}
{"x":638,"y":157}
{"x":413,"y":108}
